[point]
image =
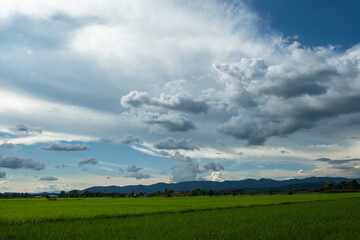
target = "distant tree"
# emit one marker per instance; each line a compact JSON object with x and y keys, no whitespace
{"x":270,"y":192}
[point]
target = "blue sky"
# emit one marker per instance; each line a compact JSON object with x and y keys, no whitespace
{"x":315,"y":23}
{"x":139,"y":92}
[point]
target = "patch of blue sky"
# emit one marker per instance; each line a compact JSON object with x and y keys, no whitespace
{"x":316,"y":23}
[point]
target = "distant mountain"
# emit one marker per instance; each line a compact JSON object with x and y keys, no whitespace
{"x":248,"y":184}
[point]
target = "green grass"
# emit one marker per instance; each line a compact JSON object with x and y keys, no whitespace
{"x":307,"y":216}
{"x":33,"y":210}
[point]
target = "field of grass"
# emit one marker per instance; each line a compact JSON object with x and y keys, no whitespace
{"x":305,"y":216}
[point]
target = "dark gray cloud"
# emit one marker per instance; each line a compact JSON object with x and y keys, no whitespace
{"x":211,"y":166}
{"x":253,"y":78}
{"x":121,"y":170}
{"x":65,"y":148}
{"x":337,"y":162}
{"x":9,"y":146}
{"x":187,"y":169}
{"x":170,"y":143}
{"x":61,"y":166}
{"x":23,"y":128}
{"x":134,"y":172}
{"x":2,"y":174}
{"x":129,"y":139}
{"x":138,"y":175}
{"x":90,"y":160}
{"x":182,"y":103}
{"x":172,"y":122}
{"x":312,"y":83}
{"x":164,"y":154}
{"x":17,"y":163}
{"x":48,"y":179}
{"x":256,"y":130}
{"x":133,"y":168}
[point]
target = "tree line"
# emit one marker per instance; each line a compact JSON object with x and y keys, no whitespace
{"x":327,"y":187}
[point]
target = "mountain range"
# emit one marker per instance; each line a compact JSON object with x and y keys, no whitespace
{"x":247,"y":185}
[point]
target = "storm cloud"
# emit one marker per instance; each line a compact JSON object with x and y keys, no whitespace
{"x":55,"y":147}
{"x":18,"y":163}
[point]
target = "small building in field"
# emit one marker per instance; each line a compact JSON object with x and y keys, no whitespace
{"x":176,"y":194}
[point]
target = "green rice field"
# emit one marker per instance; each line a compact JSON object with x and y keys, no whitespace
{"x":299,"y":216}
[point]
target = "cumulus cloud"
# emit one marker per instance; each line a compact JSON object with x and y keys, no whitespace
{"x":129,"y":139}
{"x":2,"y":174}
{"x":179,"y":102}
{"x":186,"y":170}
{"x":90,"y":160}
{"x":18,"y":163}
{"x":138,"y":175}
{"x":133,"y":168}
{"x":300,"y":172}
{"x":171,"y":122}
{"x":216,"y":177}
{"x":170,"y":143}
{"x":23,"y":128}
{"x":309,"y":80}
{"x":9,"y":146}
{"x":48,"y":179}
{"x":56,"y":147}
{"x":211,"y":166}
{"x":134,"y":172}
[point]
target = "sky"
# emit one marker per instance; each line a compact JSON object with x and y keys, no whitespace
{"x":98,"y":93}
